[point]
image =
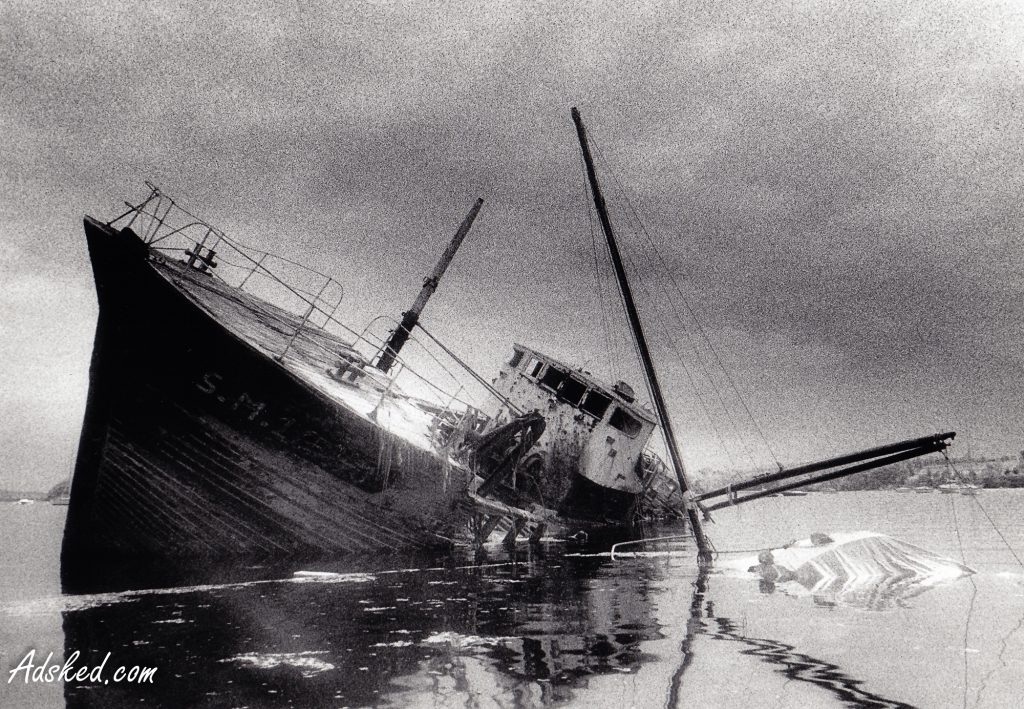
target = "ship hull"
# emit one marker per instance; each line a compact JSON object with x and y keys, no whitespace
{"x":197,"y":443}
{"x":602,"y":506}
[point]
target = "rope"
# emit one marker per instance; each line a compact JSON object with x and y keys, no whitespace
{"x":755,"y":550}
{"x":707,"y":375}
{"x":974,"y":593}
{"x":981,"y":507}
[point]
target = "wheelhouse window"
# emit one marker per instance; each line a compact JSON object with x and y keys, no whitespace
{"x":596,"y":404}
{"x":621,"y":420}
{"x":534,"y":366}
{"x":572,"y":391}
{"x":567,"y":387}
{"x":553,"y":378}
{"x":517,"y":357}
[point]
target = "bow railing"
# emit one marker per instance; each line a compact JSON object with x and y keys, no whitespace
{"x":427,"y":371}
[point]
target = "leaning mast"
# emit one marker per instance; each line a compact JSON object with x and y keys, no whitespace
{"x":703,"y":545}
{"x":411,"y":317}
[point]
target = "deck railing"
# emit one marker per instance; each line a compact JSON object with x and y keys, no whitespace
{"x":430,"y":372}
{"x":170,"y":228}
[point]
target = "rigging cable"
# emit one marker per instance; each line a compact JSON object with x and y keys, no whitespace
{"x":693,"y":315}
{"x":610,"y":355}
{"x":718,"y":394}
{"x":974,"y":593}
{"x":659,"y":311}
{"x":696,"y":390}
{"x":984,"y":680}
{"x":961,"y":478}
{"x":701,"y":362}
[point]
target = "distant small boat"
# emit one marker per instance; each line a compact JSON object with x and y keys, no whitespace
{"x":25,"y":501}
{"x":794,"y":493}
{"x":924,"y":488}
{"x":962,"y":488}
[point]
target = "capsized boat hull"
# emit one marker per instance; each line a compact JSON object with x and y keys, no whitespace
{"x":197,"y":442}
{"x":861,"y":569}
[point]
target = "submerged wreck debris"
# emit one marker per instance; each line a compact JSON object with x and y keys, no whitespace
{"x":861,"y":569}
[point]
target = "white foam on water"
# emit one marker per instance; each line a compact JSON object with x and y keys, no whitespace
{"x":59,"y":604}
{"x":459,"y":641}
{"x":306,"y":662}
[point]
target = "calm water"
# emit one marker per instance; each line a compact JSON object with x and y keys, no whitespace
{"x":542,"y":627}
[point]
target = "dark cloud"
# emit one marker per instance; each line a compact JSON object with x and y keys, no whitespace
{"x":834,"y":187}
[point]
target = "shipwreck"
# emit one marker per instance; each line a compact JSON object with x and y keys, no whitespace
{"x":231,"y":411}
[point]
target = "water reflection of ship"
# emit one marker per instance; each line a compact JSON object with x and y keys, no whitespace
{"x":538,"y":631}
{"x":787,"y":660}
{"x":801,"y":667}
{"x":556,"y":652}
{"x":536,"y":625}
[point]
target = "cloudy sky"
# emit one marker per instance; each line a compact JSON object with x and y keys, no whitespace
{"x":833,"y":189}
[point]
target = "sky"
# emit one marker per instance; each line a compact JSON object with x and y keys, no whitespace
{"x":830,"y":193}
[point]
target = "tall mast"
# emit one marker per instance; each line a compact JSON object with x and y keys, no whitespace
{"x":703,"y":546}
{"x":412,"y":315}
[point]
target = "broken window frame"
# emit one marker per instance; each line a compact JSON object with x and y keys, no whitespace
{"x":623,"y":420}
{"x":600,"y":406}
{"x":534,"y":367}
{"x":572,"y":385}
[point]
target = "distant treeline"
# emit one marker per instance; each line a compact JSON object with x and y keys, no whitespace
{"x":15,"y":495}
{"x":1004,"y":472}
{"x":60,"y":489}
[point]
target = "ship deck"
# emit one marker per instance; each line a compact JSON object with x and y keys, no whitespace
{"x":313,"y":356}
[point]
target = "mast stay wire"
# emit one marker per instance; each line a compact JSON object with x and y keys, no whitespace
{"x":974,"y":595}
{"x":703,"y":366}
{"x":672,"y":340}
{"x":689,"y":309}
{"x":984,"y":680}
{"x":981,"y":507}
{"x":707,"y":409}
{"x":641,"y":355}
{"x":609,"y":337}
{"x":610,"y":353}
{"x":693,"y":384}
{"x":983,"y":683}
{"x":704,"y":405}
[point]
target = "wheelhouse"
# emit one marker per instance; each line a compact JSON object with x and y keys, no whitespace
{"x":582,"y":391}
